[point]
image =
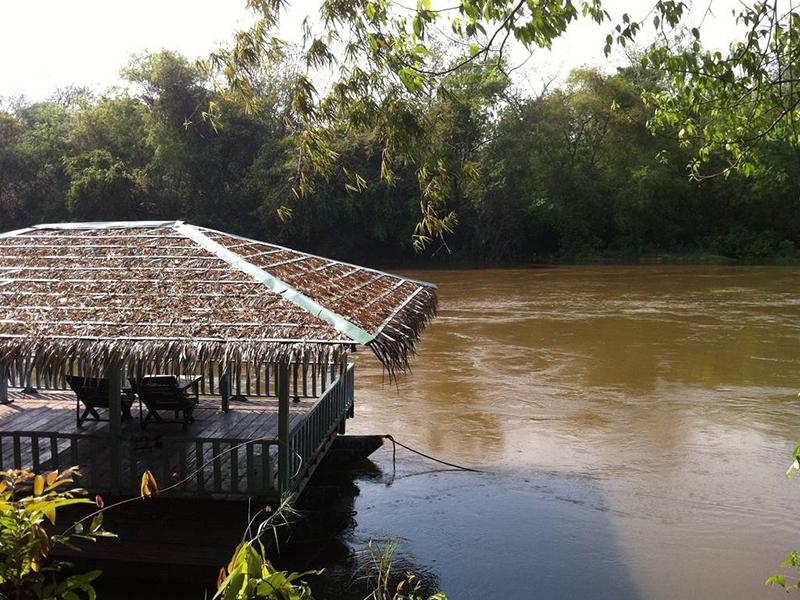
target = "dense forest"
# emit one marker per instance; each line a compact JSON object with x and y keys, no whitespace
{"x":570,"y":174}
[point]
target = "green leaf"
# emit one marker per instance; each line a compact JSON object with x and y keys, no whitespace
{"x":418,"y":26}
{"x":776,"y":580}
{"x":97,"y":522}
{"x":410,"y":79}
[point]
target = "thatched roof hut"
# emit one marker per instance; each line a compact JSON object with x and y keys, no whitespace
{"x":144,"y":293}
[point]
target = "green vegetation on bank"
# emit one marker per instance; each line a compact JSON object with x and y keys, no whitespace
{"x":570,"y":175}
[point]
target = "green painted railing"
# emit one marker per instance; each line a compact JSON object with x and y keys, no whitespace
{"x":309,"y":436}
{"x":48,"y":450}
{"x":194,"y":466}
{"x":204,"y":466}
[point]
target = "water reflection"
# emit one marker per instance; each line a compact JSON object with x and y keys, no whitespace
{"x":324,"y":537}
{"x":473,"y":535}
{"x":664,"y":398}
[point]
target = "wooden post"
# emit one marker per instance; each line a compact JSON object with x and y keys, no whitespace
{"x":225,"y":390}
{"x":349,"y":380}
{"x":114,"y":376}
{"x":3,"y":388}
{"x":27,"y":378}
{"x":283,"y":426}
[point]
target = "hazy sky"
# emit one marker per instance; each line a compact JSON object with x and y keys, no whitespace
{"x":47,"y":44}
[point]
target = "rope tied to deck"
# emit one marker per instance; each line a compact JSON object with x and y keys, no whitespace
{"x":395,"y":443}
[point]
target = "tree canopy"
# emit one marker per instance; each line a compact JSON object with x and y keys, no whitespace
{"x":389,"y":71}
{"x":573,"y":173}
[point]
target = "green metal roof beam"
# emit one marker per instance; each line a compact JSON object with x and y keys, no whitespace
{"x":278,"y":286}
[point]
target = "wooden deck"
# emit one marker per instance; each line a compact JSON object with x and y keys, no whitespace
{"x":51,"y":439}
{"x":210,"y":472}
{"x":55,"y":411}
{"x":230,"y":454}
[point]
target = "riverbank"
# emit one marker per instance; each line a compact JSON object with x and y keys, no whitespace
{"x":670,"y":258}
{"x":692,"y":257}
{"x":610,"y":259}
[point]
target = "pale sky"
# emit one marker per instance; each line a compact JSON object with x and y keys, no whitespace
{"x":50,"y":44}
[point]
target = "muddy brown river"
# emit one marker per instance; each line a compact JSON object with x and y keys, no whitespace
{"x":634,"y":425}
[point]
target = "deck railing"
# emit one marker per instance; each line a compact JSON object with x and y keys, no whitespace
{"x":195,"y":466}
{"x":306,"y":380}
{"x":203,"y":466}
{"x":307,"y":438}
{"x":49,"y":450}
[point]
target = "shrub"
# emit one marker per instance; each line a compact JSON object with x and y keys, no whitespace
{"x":29,"y":504}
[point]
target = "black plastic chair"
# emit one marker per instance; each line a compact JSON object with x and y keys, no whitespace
{"x":163,"y":393}
{"x":92,"y":392}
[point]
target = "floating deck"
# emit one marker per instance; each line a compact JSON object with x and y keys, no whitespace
{"x":224,"y":454}
{"x":55,"y":411}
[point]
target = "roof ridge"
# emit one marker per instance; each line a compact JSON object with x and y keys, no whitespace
{"x":347,"y":264}
{"x":287,"y":292}
{"x":16,"y":232}
{"x":106,"y":224}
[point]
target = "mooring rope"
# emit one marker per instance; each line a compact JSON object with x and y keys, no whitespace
{"x":395,"y":443}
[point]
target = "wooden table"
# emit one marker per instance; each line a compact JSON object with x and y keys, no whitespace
{"x":184,"y":383}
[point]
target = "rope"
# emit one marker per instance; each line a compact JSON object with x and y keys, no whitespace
{"x":395,"y":443}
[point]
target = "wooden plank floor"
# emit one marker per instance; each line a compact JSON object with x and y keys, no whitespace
{"x":55,"y":412}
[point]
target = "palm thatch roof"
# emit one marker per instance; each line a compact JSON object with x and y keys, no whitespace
{"x":147,"y":292}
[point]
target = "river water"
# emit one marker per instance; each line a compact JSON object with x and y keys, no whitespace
{"x":634,"y":425}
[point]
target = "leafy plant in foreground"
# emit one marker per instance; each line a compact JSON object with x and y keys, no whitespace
{"x":28,"y":504}
{"x":250,"y":575}
{"x":379,"y":576}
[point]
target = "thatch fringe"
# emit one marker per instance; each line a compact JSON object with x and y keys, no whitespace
{"x":396,"y":342}
{"x":51,"y":357}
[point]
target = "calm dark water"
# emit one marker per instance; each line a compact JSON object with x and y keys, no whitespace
{"x":635,"y":424}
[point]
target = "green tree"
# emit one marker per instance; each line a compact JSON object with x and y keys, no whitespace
{"x":34,"y":183}
{"x":387,"y":73}
{"x":727,"y":104}
{"x":102,"y":188}
{"x":383,"y":53}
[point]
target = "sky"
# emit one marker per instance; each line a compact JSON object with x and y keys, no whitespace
{"x":46,"y":45}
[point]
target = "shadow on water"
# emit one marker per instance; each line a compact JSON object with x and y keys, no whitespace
{"x":471,"y":535}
